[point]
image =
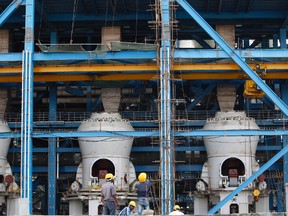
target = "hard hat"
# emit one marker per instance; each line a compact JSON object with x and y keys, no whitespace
{"x":109,"y":176}
{"x":132,"y":203}
{"x":256,"y":192}
{"x":176,"y":207}
{"x":142,"y":177}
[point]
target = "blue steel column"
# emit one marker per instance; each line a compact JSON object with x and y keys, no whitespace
{"x":27,"y":105}
{"x":166,"y":154}
{"x":283,"y":44}
{"x":52,"y":153}
{"x":237,"y":59}
{"x":284,"y":92}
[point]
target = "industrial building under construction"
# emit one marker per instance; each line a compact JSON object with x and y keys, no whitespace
{"x":194,"y":93}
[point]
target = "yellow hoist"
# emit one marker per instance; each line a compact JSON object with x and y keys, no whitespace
{"x":251,"y":90}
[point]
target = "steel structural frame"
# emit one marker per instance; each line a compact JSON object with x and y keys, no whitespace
{"x":27,"y":105}
{"x":272,"y":95}
{"x":28,"y":88}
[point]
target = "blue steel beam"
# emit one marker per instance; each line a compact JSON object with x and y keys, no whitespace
{"x":178,"y":53}
{"x":166,"y":132}
{"x":249,"y":180}
{"x":238,"y":60}
{"x":199,"y":98}
{"x":9,"y":11}
{"x":153,"y":133}
{"x":144,"y":16}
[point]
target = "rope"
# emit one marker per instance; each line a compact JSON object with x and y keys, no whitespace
{"x":73,"y":20}
{"x":41,"y":19}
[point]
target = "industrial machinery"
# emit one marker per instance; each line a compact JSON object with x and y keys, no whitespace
{"x":9,"y":189}
{"x":231,"y":161}
{"x":102,"y":155}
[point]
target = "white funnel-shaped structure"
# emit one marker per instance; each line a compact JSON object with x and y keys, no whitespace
{"x":237,"y":151}
{"x":101,"y":155}
{"x":230,"y":162}
{"x":4,"y":146}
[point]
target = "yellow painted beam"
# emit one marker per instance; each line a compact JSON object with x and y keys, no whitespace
{"x":82,"y":68}
{"x":144,"y":67}
{"x":147,"y":76}
{"x":223,"y":71}
{"x":80,"y":77}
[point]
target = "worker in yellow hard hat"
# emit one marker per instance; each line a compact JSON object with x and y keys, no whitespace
{"x":143,"y":187}
{"x":176,"y":211}
{"x":108,"y":195}
{"x":128,"y":210}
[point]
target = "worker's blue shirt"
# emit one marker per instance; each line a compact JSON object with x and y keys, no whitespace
{"x":143,"y":188}
{"x":126,"y":211}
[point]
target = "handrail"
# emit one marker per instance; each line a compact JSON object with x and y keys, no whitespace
{"x":134,"y":116}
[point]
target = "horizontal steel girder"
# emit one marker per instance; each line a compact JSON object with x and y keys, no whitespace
{"x":212,"y":71}
{"x":195,"y":133}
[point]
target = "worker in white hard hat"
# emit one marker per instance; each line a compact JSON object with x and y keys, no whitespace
{"x":108,"y":195}
{"x":128,"y":210}
{"x":143,"y":187}
{"x":176,"y":211}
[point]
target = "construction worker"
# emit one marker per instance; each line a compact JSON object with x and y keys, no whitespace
{"x":176,"y":211}
{"x":142,"y":186}
{"x":128,"y":210}
{"x":108,"y":195}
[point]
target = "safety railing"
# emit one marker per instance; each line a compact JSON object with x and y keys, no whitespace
{"x":179,"y":116}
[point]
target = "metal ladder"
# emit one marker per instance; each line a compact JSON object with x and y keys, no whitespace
{"x":154,"y":199}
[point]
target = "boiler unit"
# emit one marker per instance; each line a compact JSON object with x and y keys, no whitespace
{"x":101,"y":155}
{"x":231,"y":161}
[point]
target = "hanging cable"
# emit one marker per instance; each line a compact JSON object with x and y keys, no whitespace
{"x":136,"y":22}
{"x":41,"y":19}
{"x":73,"y":20}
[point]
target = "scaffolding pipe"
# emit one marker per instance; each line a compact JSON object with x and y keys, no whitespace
{"x":166,"y":150}
{"x":27,"y":108}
